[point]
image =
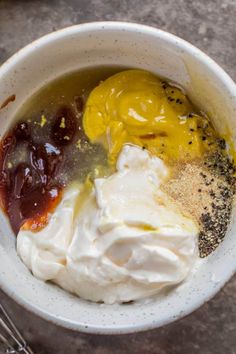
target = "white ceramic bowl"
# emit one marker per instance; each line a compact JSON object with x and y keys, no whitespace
{"x":132,"y":45}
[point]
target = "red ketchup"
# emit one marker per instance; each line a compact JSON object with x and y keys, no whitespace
{"x":30,"y":189}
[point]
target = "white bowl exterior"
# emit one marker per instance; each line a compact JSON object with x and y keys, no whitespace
{"x":130,"y":45}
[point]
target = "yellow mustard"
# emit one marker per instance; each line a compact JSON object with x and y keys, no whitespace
{"x":134,"y":106}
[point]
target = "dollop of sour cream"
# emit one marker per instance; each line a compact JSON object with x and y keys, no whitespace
{"x":125,"y":241}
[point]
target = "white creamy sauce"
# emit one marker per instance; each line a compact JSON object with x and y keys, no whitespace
{"x":126,"y":241}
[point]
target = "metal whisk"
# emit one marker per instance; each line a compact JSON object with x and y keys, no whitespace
{"x":11,"y":337}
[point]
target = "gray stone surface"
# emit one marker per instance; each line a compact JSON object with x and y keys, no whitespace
{"x":211,"y":26}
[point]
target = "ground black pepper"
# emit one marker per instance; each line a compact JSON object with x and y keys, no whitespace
{"x":214,"y":224}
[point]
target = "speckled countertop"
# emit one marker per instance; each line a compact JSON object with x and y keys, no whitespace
{"x":211,"y":26}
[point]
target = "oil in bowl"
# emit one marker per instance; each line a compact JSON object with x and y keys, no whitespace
{"x":121,"y":135}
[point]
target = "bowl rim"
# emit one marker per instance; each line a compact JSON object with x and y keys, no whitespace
{"x":172,"y":40}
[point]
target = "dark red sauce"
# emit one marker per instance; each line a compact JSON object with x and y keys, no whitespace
{"x":29,"y":189}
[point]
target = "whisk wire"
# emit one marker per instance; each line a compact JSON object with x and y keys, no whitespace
{"x":10,"y":336}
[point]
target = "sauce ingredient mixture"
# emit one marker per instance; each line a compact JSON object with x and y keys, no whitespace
{"x":75,"y":128}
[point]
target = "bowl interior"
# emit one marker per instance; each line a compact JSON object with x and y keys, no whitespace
{"x":127,"y":45}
